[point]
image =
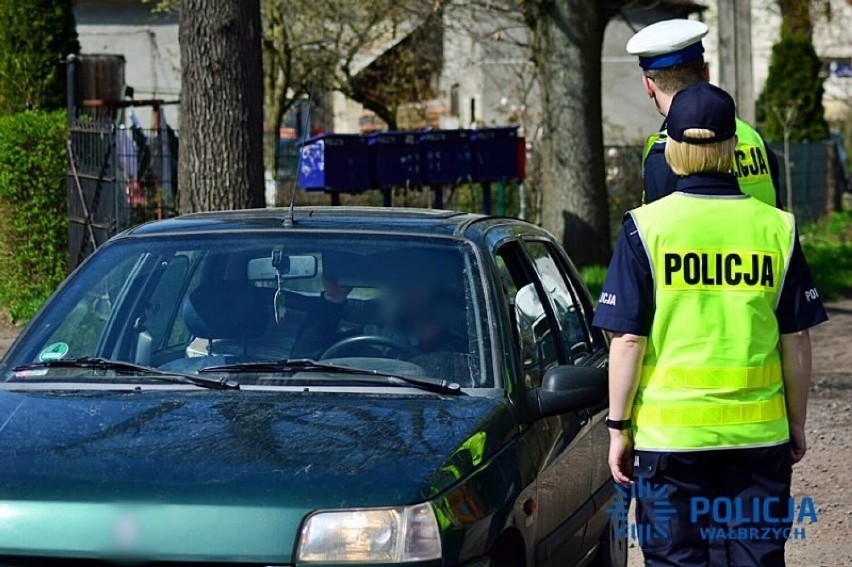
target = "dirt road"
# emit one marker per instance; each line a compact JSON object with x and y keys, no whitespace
{"x":825,"y":472}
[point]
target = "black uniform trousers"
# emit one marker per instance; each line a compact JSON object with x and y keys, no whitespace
{"x":728,"y":475}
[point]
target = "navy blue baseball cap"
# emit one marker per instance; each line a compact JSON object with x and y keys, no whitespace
{"x":702,"y":105}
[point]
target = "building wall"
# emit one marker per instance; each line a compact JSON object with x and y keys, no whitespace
{"x":496,"y":73}
{"x":629,"y":115}
{"x":832,"y":38}
{"x":462,"y":79}
{"x":149,"y":43}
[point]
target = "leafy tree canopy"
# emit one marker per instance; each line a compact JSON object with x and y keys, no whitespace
{"x":35,"y":37}
{"x":793,"y":92}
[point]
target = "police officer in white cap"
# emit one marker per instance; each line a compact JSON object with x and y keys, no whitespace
{"x":672,"y":57}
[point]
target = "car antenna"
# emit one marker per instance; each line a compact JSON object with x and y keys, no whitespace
{"x":289,"y":220}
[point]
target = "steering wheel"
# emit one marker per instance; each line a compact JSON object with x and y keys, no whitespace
{"x":351,"y":343}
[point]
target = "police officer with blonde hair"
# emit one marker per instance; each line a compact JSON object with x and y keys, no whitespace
{"x":671,"y":55}
{"x":709,"y":300}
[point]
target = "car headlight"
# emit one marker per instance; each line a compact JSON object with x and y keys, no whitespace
{"x":371,"y":535}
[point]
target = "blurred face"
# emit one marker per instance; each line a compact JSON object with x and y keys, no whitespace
{"x":417,"y":309}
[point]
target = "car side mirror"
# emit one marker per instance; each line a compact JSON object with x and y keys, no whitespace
{"x":565,"y":389}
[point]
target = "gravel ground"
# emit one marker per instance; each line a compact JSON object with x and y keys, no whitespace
{"x":824,"y":473}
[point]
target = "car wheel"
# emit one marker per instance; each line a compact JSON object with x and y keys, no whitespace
{"x":612,"y":551}
{"x":508,"y":551}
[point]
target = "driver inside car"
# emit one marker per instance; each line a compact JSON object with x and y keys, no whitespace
{"x":423,"y":324}
{"x":322,"y":316}
{"x":425,"y":317}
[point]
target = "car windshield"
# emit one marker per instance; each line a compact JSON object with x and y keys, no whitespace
{"x":404,"y":306}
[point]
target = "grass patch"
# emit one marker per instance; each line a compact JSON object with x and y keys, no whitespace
{"x":593,"y":277}
{"x":828,"y":249}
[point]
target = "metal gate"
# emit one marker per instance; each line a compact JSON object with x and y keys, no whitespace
{"x":117,"y":177}
{"x":92,"y":199}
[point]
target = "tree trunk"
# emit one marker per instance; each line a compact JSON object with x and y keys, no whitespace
{"x":796,"y":18}
{"x":221,"y":118}
{"x":567,"y":43}
{"x":383,"y":112}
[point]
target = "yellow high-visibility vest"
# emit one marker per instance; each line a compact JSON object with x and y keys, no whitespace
{"x":711,"y":374}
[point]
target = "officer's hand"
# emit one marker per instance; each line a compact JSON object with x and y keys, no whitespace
{"x":621,"y":456}
{"x":798,"y":444}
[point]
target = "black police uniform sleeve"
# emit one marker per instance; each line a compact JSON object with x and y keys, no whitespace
{"x":626,"y":304}
{"x":774,"y":172}
{"x":658,"y":177}
{"x":799,"y":306}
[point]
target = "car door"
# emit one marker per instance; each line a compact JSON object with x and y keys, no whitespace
{"x":573,"y":451}
{"x":563,"y":482}
{"x":602,"y":483}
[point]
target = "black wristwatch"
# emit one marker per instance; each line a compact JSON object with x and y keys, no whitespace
{"x":618,"y":425}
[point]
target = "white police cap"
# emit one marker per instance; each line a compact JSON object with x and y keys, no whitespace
{"x":668,"y":43}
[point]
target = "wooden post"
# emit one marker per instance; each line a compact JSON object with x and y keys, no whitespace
{"x":439,"y":196}
{"x":788,"y":170}
{"x":735,"y":58}
{"x":486,"y":197}
{"x":155,"y":116}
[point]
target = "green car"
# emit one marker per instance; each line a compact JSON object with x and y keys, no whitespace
{"x":357,"y":387}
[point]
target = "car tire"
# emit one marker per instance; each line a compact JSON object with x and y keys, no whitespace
{"x":508,"y":551}
{"x":612,"y":551}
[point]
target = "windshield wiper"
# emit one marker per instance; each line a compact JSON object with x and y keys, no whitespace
{"x":307,"y":365}
{"x":96,"y":363}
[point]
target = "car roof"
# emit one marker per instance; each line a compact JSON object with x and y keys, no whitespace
{"x":369,"y":219}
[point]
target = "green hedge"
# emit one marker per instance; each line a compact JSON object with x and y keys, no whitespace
{"x":33,"y":209}
{"x":794,"y":80}
{"x":593,"y":277}
{"x":828,"y":249}
{"x":35,"y":37}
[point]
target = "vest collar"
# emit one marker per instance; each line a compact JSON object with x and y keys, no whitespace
{"x":710,"y":184}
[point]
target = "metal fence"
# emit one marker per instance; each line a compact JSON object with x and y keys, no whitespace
{"x":117,"y":177}
{"x":818,"y":179}
{"x":817,"y":173}
{"x":120,"y":177}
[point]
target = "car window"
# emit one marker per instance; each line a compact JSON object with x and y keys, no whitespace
{"x":573,"y":331}
{"x":87,"y":315}
{"x":410,"y":306}
{"x":178,"y":333}
{"x":163,"y":306}
{"x":535,"y":327}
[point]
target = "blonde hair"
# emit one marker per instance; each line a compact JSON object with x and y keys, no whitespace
{"x":715,"y":157}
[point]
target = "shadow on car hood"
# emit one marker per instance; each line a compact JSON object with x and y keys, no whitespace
{"x":312,"y":449}
{"x":244,"y":457}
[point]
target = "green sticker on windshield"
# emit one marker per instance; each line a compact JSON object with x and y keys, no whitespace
{"x":56,"y":351}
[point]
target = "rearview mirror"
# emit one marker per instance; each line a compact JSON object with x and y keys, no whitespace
{"x":290,"y":267}
{"x":565,"y":389}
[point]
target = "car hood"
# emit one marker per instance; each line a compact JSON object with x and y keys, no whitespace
{"x":222,"y":475}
